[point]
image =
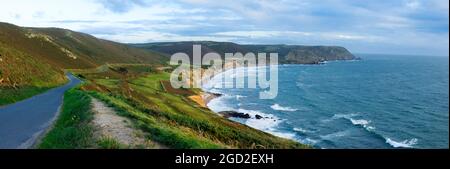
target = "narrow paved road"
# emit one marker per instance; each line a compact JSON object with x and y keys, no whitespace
{"x":23,"y":122}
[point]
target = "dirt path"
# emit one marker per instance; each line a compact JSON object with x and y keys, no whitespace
{"x":108,"y":124}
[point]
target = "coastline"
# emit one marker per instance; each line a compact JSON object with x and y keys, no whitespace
{"x":261,"y":121}
{"x":204,"y":98}
{"x":208,"y":96}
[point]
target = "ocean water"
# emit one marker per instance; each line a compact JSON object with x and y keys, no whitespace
{"x":381,"y":101}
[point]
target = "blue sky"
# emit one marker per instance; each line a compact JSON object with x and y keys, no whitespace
{"x":418,"y":27}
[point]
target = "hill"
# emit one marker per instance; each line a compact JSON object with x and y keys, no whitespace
{"x":71,"y":50}
{"x":295,"y":54}
{"x":34,"y":59}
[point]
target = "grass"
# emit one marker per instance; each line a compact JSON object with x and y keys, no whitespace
{"x":174,"y":120}
{"x":179,"y":109}
{"x":22,"y":76}
{"x":110,"y":143}
{"x":160,"y":130}
{"x":11,"y":95}
{"x":72,"y":129}
{"x":169,"y":118}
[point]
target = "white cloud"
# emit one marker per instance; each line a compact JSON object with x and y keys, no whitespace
{"x":392,"y":25}
{"x":412,"y":4}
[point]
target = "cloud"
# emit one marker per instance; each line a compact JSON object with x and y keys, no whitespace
{"x":121,"y":6}
{"x":413,"y":4}
{"x":389,"y":26}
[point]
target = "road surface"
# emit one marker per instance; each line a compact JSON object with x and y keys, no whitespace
{"x":23,"y":122}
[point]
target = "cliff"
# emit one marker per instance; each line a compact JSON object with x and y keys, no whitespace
{"x":294,"y":54}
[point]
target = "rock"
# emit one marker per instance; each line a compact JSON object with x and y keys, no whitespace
{"x":228,"y":114}
{"x":258,"y":117}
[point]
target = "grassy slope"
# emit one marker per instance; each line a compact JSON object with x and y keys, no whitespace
{"x":22,"y":73}
{"x":72,"y":129}
{"x":161,"y":131}
{"x":67,"y":49}
{"x":22,"y":76}
{"x":173,"y":119}
{"x":32,"y":60}
{"x":89,"y":49}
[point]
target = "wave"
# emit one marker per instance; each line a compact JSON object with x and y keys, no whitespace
{"x":339,"y":116}
{"x":371,"y":129}
{"x":402,"y":144}
{"x":268,"y":124}
{"x":220,"y":103}
{"x":363,"y":123}
{"x":335,"y":135}
{"x":308,"y":141}
{"x":281,"y":108}
{"x":298,"y":129}
{"x":357,"y":122}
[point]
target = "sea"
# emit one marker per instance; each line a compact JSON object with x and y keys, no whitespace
{"x":378,"y":102}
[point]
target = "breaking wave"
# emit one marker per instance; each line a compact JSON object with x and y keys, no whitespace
{"x":281,"y":108}
{"x":402,"y":144}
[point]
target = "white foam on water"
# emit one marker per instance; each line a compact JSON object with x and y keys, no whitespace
{"x":338,"y":116}
{"x":268,"y":124}
{"x":359,"y":122}
{"x":281,"y":108}
{"x":402,"y":144}
{"x":298,"y":129}
{"x":334,"y":135}
{"x":363,"y":123}
{"x":308,"y":141}
{"x":263,"y":124}
{"x":215,"y":91}
{"x":219,"y":104}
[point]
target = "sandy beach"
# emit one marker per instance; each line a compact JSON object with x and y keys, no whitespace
{"x":204,"y":98}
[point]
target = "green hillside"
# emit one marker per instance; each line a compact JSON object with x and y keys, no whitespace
{"x":22,"y":76}
{"x":168,"y":116}
{"x":33,"y":60}
{"x":72,"y":50}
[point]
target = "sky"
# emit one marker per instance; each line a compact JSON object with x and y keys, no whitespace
{"x":412,"y":27}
